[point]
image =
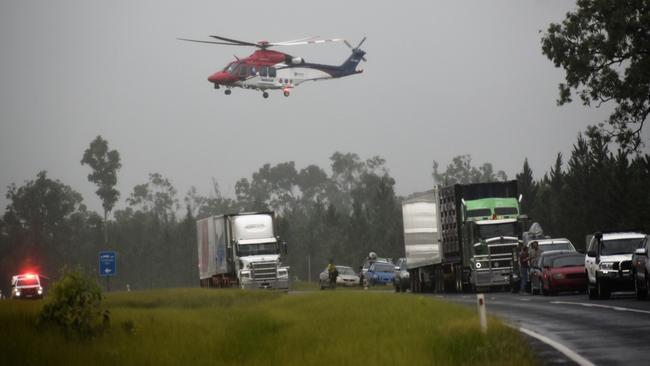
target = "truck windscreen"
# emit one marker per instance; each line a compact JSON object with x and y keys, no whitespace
{"x":495,"y":230}
{"x":244,"y":250}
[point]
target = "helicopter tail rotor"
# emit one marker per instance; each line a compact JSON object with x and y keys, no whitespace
{"x":357,"y":49}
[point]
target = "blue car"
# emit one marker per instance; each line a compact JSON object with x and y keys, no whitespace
{"x":380,"y":273}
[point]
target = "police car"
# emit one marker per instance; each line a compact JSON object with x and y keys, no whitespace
{"x":26,"y":286}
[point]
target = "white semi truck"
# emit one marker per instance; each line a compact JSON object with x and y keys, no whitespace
{"x":241,"y":250}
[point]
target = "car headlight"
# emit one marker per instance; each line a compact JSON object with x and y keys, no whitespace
{"x":283,"y":273}
{"x":478,"y":265}
{"x":17,"y":293}
{"x":606,"y":265}
{"x":558,"y":276}
{"x":244,"y":274}
{"x":40,"y":291}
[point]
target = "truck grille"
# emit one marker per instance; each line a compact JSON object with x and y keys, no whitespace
{"x":623,"y":265}
{"x":501,"y":248}
{"x":626,"y":265}
{"x":264,"y":271}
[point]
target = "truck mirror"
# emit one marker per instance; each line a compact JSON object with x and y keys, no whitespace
{"x":598,"y":235}
{"x":591,"y":253}
{"x":284,"y":247}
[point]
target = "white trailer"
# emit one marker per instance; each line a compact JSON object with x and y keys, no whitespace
{"x":421,"y":236}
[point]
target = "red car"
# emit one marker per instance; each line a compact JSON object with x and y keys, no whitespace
{"x":558,"y":271}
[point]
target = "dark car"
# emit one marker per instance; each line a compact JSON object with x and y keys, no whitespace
{"x":380,"y":273}
{"x":641,"y":269}
{"x":557,"y":271}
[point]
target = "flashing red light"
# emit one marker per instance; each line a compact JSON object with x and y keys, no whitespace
{"x":30,"y":276}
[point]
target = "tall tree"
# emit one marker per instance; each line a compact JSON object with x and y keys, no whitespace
{"x":461,"y":171}
{"x":527,"y":187}
{"x":157,"y":196}
{"x":105,"y":165}
{"x":604,"y":48}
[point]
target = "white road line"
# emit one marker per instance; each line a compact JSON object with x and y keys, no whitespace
{"x":560,"y":347}
{"x":523,"y":299}
{"x":589,"y":305}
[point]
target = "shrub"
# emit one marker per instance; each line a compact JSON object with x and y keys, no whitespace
{"x":74,"y":304}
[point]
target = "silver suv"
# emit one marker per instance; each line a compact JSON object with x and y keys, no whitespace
{"x":401,"y":281}
{"x":608,"y":262}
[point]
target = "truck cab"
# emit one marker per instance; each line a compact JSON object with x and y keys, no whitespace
{"x":491,"y":232}
{"x":241,"y":250}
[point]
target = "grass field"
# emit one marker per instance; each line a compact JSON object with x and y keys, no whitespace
{"x":233,"y":327}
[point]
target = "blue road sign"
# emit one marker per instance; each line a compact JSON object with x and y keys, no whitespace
{"x":107,"y":264}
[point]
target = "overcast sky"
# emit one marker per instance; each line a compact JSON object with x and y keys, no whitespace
{"x":443,"y":78}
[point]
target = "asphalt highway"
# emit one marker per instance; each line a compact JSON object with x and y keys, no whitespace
{"x":604,"y":332}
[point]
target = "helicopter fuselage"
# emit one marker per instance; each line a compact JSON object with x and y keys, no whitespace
{"x":267,"y":69}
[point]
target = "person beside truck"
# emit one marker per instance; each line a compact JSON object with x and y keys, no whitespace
{"x":524,"y":266}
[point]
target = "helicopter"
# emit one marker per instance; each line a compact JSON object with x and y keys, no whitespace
{"x":267,"y":69}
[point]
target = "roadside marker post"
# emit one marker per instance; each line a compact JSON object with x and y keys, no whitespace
{"x":480,"y":301}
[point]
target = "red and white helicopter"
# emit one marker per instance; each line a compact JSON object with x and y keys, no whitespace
{"x":266,"y":69}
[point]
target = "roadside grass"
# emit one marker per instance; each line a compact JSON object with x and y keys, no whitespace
{"x":233,"y":327}
{"x":315,"y":286}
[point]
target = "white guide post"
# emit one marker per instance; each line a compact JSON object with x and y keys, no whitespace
{"x":480,"y":301}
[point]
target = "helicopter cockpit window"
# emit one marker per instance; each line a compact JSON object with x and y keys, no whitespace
{"x":243,"y":70}
{"x":264,"y":71}
{"x":230,"y":68}
{"x":272,"y":72}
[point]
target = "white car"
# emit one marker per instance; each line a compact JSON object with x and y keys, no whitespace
{"x":608,"y":262}
{"x":546,"y":245}
{"x":346,"y":277}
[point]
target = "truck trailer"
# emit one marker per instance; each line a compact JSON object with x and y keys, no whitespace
{"x":461,"y":236}
{"x":241,"y":250}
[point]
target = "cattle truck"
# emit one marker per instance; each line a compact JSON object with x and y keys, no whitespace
{"x":464,"y":236}
{"x":241,"y":250}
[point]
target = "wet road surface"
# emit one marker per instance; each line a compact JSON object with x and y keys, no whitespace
{"x":605,"y":332}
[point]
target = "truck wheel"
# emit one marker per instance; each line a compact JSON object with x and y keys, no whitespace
{"x":640,"y":293}
{"x":591,"y":291}
{"x":603,"y":291}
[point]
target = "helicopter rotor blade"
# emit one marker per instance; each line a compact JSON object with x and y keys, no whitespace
{"x":212,"y":42}
{"x":313,"y":41}
{"x":360,"y":43}
{"x":298,"y":40}
{"x":236,"y":42}
{"x":348,"y":44}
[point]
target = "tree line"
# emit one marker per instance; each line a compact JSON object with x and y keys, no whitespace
{"x":341,"y":215}
{"x":602,"y":186}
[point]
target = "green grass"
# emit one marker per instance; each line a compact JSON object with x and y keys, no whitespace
{"x":233,"y":327}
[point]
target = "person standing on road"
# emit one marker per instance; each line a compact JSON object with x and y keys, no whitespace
{"x":333,"y":273}
{"x":534,"y":252}
{"x":524,"y":264}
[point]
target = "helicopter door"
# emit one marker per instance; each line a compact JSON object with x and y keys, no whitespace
{"x":243,"y":71}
